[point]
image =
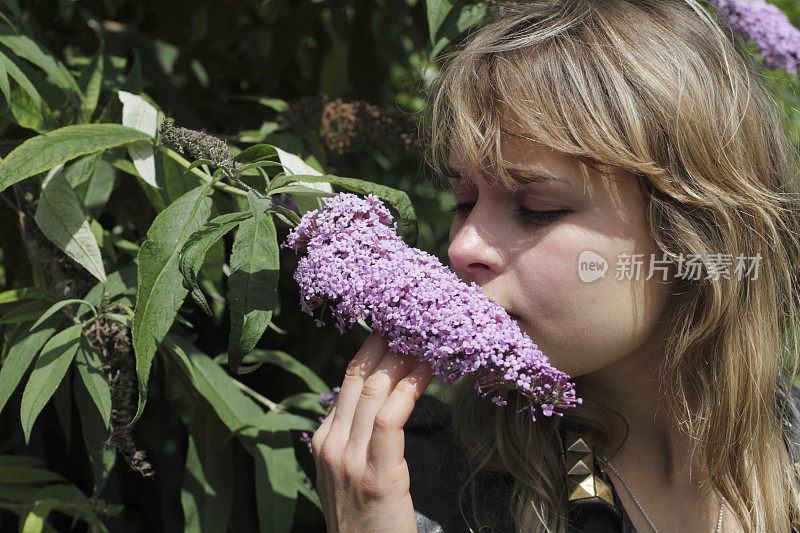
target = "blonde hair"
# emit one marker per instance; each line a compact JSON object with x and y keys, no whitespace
{"x":658,"y":89}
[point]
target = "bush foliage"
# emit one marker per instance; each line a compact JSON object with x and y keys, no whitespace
{"x":124,"y":404}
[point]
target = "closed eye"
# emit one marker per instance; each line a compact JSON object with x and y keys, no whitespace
{"x":527,"y":215}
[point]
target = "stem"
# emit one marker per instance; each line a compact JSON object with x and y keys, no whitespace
{"x":269,"y":404}
{"x":202,"y":175}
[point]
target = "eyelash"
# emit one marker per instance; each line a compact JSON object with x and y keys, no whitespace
{"x":528,"y":216}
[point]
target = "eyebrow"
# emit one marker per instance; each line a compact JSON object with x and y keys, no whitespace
{"x":522,"y":174}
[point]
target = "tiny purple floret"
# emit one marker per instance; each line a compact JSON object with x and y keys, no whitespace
{"x":359,"y":267}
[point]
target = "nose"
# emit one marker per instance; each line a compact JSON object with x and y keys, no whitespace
{"x":472,"y":256}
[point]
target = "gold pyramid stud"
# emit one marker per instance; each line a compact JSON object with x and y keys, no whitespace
{"x":603,"y":490}
{"x":578,"y":443}
{"x":581,"y":467}
{"x":577,"y":490}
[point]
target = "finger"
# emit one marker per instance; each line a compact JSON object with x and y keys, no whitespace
{"x":377,"y":387}
{"x":361,"y":366}
{"x":387,"y":444}
{"x":322,"y":431}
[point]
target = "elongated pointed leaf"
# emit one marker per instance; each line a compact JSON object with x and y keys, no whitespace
{"x":252,"y":285}
{"x":122,"y":281}
{"x":160,"y":292}
{"x":59,"y":215}
{"x":62,"y":401}
{"x":278,"y":474}
{"x":194,"y":251}
{"x":276,"y":487}
{"x":93,"y":377}
{"x":137,"y":113}
{"x":286,"y":362}
{"x":21,"y":355}
{"x":17,"y":75}
{"x":91,"y":82}
{"x":55,"y":308}
{"x":206,"y":495}
{"x":25,"y":312}
{"x":41,"y":153}
{"x":27,"y":48}
{"x":95,"y":434}
{"x":22,"y":474}
{"x":437,"y":12}
{"x":296,"y":166}
{"x":48,"y":371}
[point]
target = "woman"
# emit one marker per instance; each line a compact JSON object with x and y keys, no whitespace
{"x":626,"y":191}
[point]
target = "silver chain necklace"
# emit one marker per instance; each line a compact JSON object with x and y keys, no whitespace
{"x":639,"y":505}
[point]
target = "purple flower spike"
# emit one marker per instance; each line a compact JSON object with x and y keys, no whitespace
{"x":777,"y":40}
{"x":358,"y":265}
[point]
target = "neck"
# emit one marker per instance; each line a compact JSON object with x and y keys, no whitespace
{"x":654,"y":443}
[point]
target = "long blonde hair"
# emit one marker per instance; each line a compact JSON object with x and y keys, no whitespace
{"x":659,"y":89}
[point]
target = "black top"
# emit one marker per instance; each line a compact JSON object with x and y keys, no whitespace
{"x":437,"y":467}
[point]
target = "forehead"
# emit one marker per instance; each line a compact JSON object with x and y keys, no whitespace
{"x":527,"y":161}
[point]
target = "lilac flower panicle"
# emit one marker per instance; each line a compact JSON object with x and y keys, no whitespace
{"x":769,"y":27}
{"x":357,"y":266}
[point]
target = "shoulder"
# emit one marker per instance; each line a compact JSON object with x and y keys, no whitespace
{"x":437,"y":468}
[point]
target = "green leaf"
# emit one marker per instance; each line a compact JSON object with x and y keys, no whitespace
{"x":278,"y":477}
{"x":20,"y":357}
{"x":297,"y":167}
{"x":27,"y":48}
{"x":82,"y":169}
{"x":195,"y":248}
{"x":160,"y":292}
{"x":21,"y":474}
{"x":96,"y":192}
{"x":252,"y":285}
{"x":90,"y":368}
{"x":255,"y":153}
{"x":137,"y":113}
{"x":36,"y":520}
{"x":91,"y":83}
{"x":26,"y":293}
{"x":308,"y":401}
{"x":299,"y":190}
{"x":119,"y":282}
{"x":206,"y":495}
{"x":95,"y":434}
{"x":284,"y":361}
{"x":276,"y":487}
{"x":55,"y":308}
{"x":59,"y":215}
{"x":11,"y":69}
{"x":69,"y":500}
{"x":258,"y":204}
{"x":437,"y":12}
{"x":25,"y":312}
{"x":62,"y":402}
{"x":44,"y":152}
{"x":49,"y":370}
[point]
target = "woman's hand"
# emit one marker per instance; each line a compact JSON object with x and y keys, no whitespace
{"x":362,"y":476}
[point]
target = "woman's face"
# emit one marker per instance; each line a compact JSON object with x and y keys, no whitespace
{"x":532,"y":267}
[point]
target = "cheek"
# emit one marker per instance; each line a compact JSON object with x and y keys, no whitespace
{"x":584,"y":326}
